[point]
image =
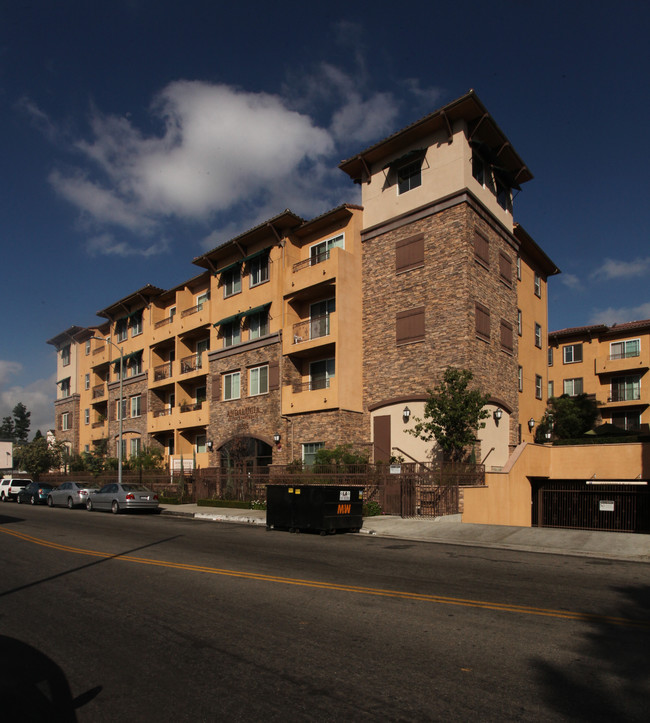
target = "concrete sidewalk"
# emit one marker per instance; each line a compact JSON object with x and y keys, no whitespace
{"x":451,"y":531}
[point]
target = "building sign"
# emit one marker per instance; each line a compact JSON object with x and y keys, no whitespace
{"x":245,"y":413}
{"x":344,"y":495}
{"x":188,"y":465}
{"x":606,"y":505}
{"x":395,"y":468}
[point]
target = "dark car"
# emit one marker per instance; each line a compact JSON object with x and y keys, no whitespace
{"x":35,"y":493}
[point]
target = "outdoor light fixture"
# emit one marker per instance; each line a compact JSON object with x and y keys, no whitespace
{"x":531,"y":424}
{"x":276,"y":438}
{"x":406,"y":414}
{"x":498,"y":413}
{"x":208,"y":444}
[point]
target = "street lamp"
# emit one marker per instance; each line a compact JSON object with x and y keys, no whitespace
{"x":121,"y":407}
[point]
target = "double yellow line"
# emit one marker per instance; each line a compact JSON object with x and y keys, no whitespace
{"x":378,"y":592}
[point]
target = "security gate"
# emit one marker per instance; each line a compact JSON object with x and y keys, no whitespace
{"x":588,"y":506}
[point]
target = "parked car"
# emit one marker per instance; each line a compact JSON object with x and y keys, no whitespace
{"x":10,"y":487}
{"x":117,"y":497}
{"x":70,"y":494}
{"x":35,"y":493}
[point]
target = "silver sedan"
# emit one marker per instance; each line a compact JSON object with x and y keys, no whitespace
{"x":70,"y":494}
{"x":117,"y":497}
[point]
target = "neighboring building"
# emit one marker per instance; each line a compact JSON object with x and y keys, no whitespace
{"x":609,"y":362}
{"x":6,"y":456}
{"x":299,"y":335}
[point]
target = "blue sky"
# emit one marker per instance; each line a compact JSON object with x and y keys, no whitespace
{"x":136,"y":134}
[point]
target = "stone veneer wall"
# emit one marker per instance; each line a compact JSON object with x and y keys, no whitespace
{"x":131,"y":425}
{"x":333,"y":428}
{"x":71,"y":435}
{"x":448,"y":284}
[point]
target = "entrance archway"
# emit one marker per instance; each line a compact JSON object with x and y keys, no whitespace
{"x":245,"y":454}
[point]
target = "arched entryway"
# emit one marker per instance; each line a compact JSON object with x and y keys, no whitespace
{"x":245,"y":454}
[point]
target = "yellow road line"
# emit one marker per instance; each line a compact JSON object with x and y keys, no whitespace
{"x":486,"y":605}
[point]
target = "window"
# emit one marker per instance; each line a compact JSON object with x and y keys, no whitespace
{"x":200,"y":394}
{"x":231,"y":281}
{"x":134,"y":447}
{"x":538,"y":285}
{"x":231,"y":385}
{"x":481,"y":249}
{"x":231,"y":333}
{"x":482,"y":321}
{"x":65,"y":388}
{"x":625,"y":349}
{"x":631,"y":421}
{"x":519,"y":322}
{"x":505,"y":269}
{"x":65,"y":355}
{"x":202,"y":298}
{"x":521,"y":379}
{"x":550,"y":356}
{"x":88,"y":347}
{"x":201,"y":347}
{"x":123,"y":451}
{"x":409,"y":326}
{"x":319,"y":318}
{"x":87,"y":382}
{"x":200,"y":443}
{"x":503,"y":194}
{"x":258,"y":270}
{"x":409,"y":177}
{"x":572,"y":353}
{"x":538,"y":386}
{"x":86,"y":448}
{"x":136,"y":405}
{"x":258,"y":325}
{"x":538,"y":336}
{"x":573,"y":387}
{"x":518,"y":265}
{"x":321,"y":251}
{"x":65,"y":421}
{"x":121,"y":330}
{"x":309,"y":450}
{"x":135,"y":322}
{"x":86,"y":416}
{"x":626,"y":389}
{"x":320,"y":373}
{"x":172,"y":313}
{"x":507,"y":343}
{"x":134,"y":365}
{"x":409,"y":253}
{"x":258,"y":382}
{"x":117,"y":408}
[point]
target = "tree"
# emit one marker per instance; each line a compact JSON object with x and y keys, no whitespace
{"x":452,"y":414}
{"x":568,"y":417}
{"x":37,"y":457}
{"x":21,"y":422}
{"x":7,"y":428}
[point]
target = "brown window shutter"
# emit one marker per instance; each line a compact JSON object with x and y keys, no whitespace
{"x":274,"y":376}
{"x":482,"y":314}
{"x":216,"y":387}
{"x":143,"y":404}
{"x":505,"y":268}
{"x":506,"y":336}
{"x":409,"y":325}
{"x":481,"y":248}
{"x":409,"y":253}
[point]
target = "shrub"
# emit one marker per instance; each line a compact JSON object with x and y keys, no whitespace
{"x":372,"y":508}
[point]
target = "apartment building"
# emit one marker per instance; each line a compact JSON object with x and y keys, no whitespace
{"x":608,"y":362}
{"x":302,"y":334}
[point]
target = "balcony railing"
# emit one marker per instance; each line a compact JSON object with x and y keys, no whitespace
{"x":190,"y":363}
{"x":99,"y":349}
{"x":192,"y":310}
{"x":312,"y":385}
{"x":191,"y":407}
{"x":625,"y":395}
{"x":99,"y":391}
{"x":164,"y":371}
{"x":315,"y":328}
{"x":162,"y":413}
{"x":624,"y":354}
{"x":311,"y":261}
{"x":163,"y":322}
{"x":101,"y":423}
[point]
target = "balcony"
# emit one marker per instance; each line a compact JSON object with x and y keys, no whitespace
{"x":621,"y":362}
{"x":99,"y":391}
{"x":163,"y":371}
{"x":323,"y":268}
{"x":193,"y":363}
{"x":316,"y":328}
{"x":191,"y":407}
{"x":309,"y":396}
{"x":310,"y":334}
{"x":162,"y":420}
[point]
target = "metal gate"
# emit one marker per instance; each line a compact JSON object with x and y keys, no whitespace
{"x":582,"y":506}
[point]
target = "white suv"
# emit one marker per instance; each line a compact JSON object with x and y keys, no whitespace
{"x":9,"y":488}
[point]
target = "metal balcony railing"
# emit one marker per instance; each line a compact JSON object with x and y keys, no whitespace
{"x":99,"y":391}
{"x":311,"y":261}
{"x":312,"y":385}
{"x":314,"y":328}
{"x":625,"y":395}
{"x":162,"y":413}
{"x":624,"y":354}
{"x":191,"y":407}
{"x":190,"y":363}
{"x":163,"y":322}
{"x":164,"y":371}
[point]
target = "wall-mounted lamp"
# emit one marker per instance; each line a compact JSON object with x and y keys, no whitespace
{"x":531,"y":424}
{"x":277,"y":438}
{"x":497,"y":414}
{"x":406,"y":414}
{"x":208,"y":444}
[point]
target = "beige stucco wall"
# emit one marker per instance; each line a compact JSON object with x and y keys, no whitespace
{"x":506,"y":498}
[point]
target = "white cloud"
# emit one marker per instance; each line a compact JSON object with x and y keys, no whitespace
{"x":7,"y":370}
{"x":219,"y":148}
{"x":611,"y":315}
{"x":38,"y":397}
{"x":571,"y":281}
{"x":614,"y":269}
{"x":107,"y":245}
